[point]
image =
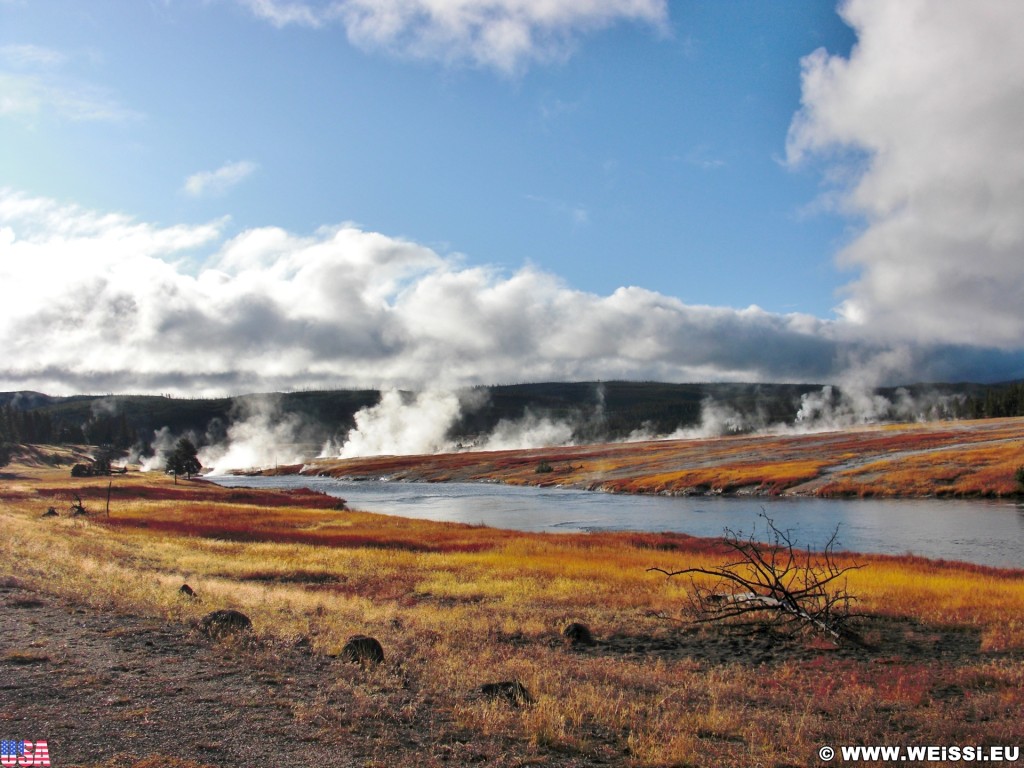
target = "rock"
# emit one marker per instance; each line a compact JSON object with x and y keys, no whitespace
{"x":512,"y":691}
{"x":225,"y":622}
{"x":363,"y":649}
{"x":578,"y":634}
{"x":50,"y":512}
{"x":186,"y":591}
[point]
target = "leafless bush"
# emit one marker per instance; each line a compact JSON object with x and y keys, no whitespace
{"x":774,"y":583}
{"x":77,"y":508}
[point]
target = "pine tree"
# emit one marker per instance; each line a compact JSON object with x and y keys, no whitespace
{"x":184,"y":459}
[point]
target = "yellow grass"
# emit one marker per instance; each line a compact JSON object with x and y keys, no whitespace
{"x":457,"y":606}
{"x":972,"y":458}
{"x":766,"y":477}
{"x":967,"y":471}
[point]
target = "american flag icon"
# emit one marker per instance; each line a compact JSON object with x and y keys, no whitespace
{"x":10,"y":751}
{"x":24,"y":753}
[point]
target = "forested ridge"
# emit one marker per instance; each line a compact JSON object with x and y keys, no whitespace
{"x":600,"y":410}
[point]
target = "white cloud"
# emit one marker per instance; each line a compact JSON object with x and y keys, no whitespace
{"x":921,"y":126}
{"x":96,"y":302}
{"x":218,"y":182}
{"x":33,"y":81}
{"x":281,"y":13}
{"x":99,"y":302}
{"x":506,"y":35}
{"x":30,"y":95}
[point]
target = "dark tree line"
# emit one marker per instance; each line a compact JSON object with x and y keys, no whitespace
{"x":997,"y":402}
{"x":17,"y":426}
{"x":597,"y":411}
{"x":39,"y":427}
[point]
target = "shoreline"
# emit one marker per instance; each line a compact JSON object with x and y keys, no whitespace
{"x":933,"y":460}
{"x":751,"y":492}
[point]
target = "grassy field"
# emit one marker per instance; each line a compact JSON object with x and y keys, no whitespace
{"x":458,"y":606}
{"x":961,"y":458}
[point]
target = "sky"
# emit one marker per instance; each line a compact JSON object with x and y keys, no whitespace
{"x":205,"y":197}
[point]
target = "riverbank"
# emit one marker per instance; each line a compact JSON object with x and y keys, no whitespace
{"x":982,"y":531}
{"x":455,"y":607}
{"x":933,"y":459}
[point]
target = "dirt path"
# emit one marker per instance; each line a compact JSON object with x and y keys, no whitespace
{"x":105,"y":689}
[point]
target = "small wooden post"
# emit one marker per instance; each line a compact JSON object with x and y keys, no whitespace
{"x":109,"y":486}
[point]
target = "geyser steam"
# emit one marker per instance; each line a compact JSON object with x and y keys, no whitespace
{"x":261,"y":436}
{"x":403,"y":425}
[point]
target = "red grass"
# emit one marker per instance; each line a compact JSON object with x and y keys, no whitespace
{"x":245,"y":532}
{"x":976,"y":458}
{"x":202,"y":491}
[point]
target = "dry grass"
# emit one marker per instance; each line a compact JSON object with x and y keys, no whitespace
{"x":767,"y":477}
{"x":150,"y":761}
{"x":457,"y":606}
{"x":973,"y":458}
{"x":965,"y":471}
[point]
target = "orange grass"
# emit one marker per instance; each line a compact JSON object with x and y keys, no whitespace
{"x":456,"y":606}
{"x":974,"y":458}
{"x":967,"y":471}
{"x":767,"y":477}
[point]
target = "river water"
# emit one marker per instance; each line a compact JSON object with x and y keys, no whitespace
{"x":983,"y":532}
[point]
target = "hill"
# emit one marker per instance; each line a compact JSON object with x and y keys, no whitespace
{"x":976,"y":458}
{"x":595,"y":411}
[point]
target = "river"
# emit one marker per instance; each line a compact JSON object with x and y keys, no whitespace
{"x":982,"y":532}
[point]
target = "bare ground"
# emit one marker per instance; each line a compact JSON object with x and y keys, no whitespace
{"x":108,"y":689}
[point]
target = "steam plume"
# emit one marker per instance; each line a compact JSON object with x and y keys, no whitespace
{"x":163,"y":444}
{"x":400,"y":425}
{"x":262,"y":436}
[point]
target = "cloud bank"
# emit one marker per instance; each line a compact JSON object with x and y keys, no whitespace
{"x":921,"y":127}
{"x":505,"y":35}
{"x":101,"y":302}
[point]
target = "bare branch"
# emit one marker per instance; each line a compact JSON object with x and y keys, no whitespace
{"x":774,"y":583}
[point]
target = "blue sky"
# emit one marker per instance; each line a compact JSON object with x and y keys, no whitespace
{"x":671,"y":176}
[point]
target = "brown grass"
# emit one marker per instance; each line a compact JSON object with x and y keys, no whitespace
{"x":972,"y":458}
{"x":150,"y":761}
{"x":456,"y":606}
